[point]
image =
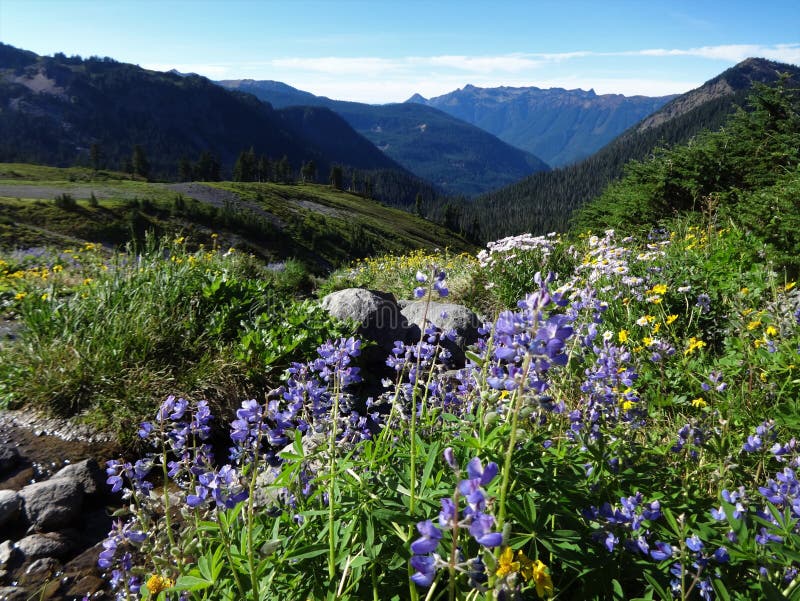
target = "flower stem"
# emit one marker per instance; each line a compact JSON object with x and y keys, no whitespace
{"x":512,"y":442}
{"x":332,"y":479}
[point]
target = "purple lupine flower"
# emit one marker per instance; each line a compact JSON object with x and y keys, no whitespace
{"x":476,"y":471}
{"x":480,"y":530}
{"x":610,"y":542}
{"x":425,"y":569}
{"x":448,"y":515}
{"x":693,"y":543}
{"x":765,"y":537}
{"x":662,"y":551}
{"x":449,"y":458}
{"x":721,"y":555}
{"x":429,"y":540}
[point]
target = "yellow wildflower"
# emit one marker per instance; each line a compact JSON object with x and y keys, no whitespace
{"x":659,"y":289}
{"x":699,"y":403}
{"x":671,"y":318}
{"x":623,"y":336}
{"x":179,"y":240}
{"x":694,"y":344}
{"x":541,"y":576}
{"x":745,"y":290}
{"x":656,"y":328}
{"x":20,"y":295}
{"x":789,"y":286}
{"x":627,"y":405}
{"x":45,"y":296}
{"x":771,"y":331}
{"x":753,"y":324}
{"x":157,"y":583}
{"x":506,"y":564}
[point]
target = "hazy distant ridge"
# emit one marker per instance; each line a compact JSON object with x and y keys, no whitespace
{"x":560,"y":126}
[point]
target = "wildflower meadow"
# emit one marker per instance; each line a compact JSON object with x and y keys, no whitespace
{"x":623,"y":429}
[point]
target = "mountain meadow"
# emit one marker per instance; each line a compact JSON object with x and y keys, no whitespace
{"x":607,"y":411}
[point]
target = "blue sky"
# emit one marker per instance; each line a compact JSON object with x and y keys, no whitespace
{"x":384,"y":51}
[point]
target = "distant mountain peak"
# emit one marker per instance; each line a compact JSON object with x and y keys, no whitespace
{"x":738,"y":78}
{"x":418,"y":98}
{"x":561,"y":126}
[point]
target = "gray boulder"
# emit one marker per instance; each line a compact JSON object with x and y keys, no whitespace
{"x":14,"y":593}
{"x":41,"y":570}
{"x":9,"y":458}
{"x":377,"y":312}
{"x":87,"y":474}
{"x":447,"y":317}
{"x":50,"y":544}
{"x":52,"y":504}
{"x":7,"y":552}
{"x":10,"y":504}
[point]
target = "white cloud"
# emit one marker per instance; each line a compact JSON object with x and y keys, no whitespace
{"x":378,"y":79}
{"x":787,"y":53}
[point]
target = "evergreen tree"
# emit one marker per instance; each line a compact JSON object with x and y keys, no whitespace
{"x":284,"y":170}
{"x":309,"y":172}
{"x":264,"y":169}
{"x":139,"y":162}
{"x":184,"y":170}
{"x":418,"y":204}
{"x":246,"y":168}
{"x":95,"y":156}
{"x":336,"y":177}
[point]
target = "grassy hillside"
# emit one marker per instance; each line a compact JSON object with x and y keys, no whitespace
{"x":320,"y":226}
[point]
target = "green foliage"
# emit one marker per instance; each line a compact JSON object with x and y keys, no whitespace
{"x":744,"y":172}
{"x":103,"y":335}
{"x":629,"y":476}
{"x":545,"y":202}
{"x":284,"y":334}
{"x":65,"y":201}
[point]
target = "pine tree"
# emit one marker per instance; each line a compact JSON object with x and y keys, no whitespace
{"x":184,"y":170}
{"x":139,"y":162}
{"x":336,"y":177}
{"x":95,"y":156}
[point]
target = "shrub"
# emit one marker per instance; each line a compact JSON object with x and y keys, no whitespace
{"x":66,"y":201}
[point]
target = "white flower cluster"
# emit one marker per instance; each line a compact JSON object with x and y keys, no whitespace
{"x":504,"y":249}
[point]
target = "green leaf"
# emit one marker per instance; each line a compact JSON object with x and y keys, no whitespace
{"x":188,"y":582}
{"x":474,"y":358}
{"x":719,"y":588}
{"x":656,"y":586}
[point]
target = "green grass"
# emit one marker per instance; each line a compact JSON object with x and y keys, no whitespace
{"x":313,"y":223}
{"x":106,"y":334}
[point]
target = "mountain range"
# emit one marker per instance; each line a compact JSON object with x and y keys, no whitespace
{"x":60,"y":110}
{"x":560,"y":126}
{"x":63,"y":110}
{"x":454,"y":155}
{"x":545,"y":201}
